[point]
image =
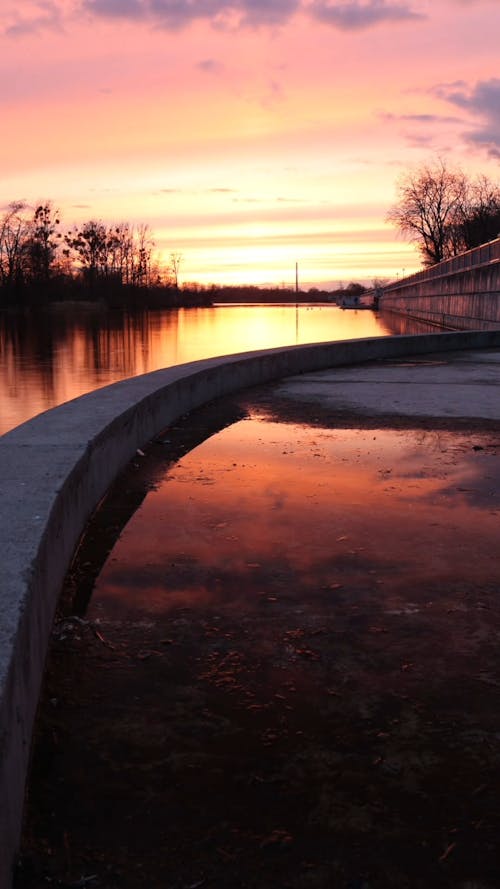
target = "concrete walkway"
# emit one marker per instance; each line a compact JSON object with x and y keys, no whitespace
{"x":463,"y":385}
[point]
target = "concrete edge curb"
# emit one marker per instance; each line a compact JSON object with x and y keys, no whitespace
{"x":55,"y":468}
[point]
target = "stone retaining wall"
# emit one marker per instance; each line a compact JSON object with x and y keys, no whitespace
{"x":462,"y":293}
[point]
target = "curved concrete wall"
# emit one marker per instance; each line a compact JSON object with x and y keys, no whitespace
{"x":55,"y":468}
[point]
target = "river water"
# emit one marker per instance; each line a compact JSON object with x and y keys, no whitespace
{"x":52,"y":355}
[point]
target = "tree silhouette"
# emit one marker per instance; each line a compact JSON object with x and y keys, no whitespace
{"x":444,"y":212}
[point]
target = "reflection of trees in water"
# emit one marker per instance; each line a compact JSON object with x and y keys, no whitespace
{"x":117,"y":342}
{"x":25,"y":341}
{"x":57,"y":352}
{"x":95,"y":341}
{"x":51,"y":354}
{"x":434,"y":440}
{"x":122,"y":343}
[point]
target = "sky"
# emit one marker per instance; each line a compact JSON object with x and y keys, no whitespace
{"x":250,"y":135}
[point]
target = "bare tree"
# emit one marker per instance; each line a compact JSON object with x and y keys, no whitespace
{"x":481,"y":221}
{"x":93,"y":249}
{"x":175,"y":264}
{"x":104,"y":257}
{"x":120,"y":246}
{"x":14,"y":231}
{"x":143,"y":251}
{"x":431,"y":202}
{"x":118,"y":254}
{"x":42,"y":242}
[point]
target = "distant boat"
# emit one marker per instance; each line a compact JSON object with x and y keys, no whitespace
{"x":357,"y":301}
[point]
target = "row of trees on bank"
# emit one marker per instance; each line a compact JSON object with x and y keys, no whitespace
{"x":444,"y":212}
{"x":39,"y":262}
{"x":439,"y":208}
{"x":38,"y":259}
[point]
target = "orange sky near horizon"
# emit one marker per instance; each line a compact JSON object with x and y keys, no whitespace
{"x":248,"y":135}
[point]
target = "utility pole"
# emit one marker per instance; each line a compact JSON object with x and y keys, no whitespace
{"x":296,"y":303}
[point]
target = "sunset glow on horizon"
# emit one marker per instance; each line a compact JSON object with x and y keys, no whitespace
{"x":248,"y":135}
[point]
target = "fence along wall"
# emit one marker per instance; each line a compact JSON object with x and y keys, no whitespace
{"x":462,"y":293}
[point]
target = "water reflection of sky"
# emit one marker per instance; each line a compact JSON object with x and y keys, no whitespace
{"x":52,"y":356}
{"x":263,"y":510}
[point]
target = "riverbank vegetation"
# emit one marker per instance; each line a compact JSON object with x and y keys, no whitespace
{"x":439,"y":208}
{"x":42,"y":261}
{"x":444,"y":212}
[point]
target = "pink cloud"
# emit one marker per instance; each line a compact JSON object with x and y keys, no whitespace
{"x":175,"y":14}
{"x":483,"y":101}
{"x":39,"y":16}
{"x":356,"y":16}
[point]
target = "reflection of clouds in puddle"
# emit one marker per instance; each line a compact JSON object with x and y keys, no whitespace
{"x":480,"y":487}
{"x":253,"y":510}
{"x":280,"y":576}
{"x":469,"y":479}
{"x":460,"y":472}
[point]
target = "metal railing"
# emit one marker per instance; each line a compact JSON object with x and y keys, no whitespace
{"x":475,"y":258}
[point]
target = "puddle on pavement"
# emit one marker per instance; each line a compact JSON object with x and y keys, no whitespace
{"x":287,"y":674}
{"x":268,"y":509}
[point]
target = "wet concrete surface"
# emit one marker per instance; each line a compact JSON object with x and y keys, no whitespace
{"x":454,"y":385}
{"x":276,"y":660}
